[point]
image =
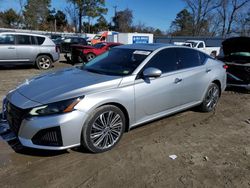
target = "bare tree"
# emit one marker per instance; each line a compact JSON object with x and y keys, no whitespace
{"x":201,"y":9}
{"x":71,"y":10}
{"x":229,"y":11}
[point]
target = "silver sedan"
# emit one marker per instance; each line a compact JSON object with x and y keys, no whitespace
{"x":94,"y":104}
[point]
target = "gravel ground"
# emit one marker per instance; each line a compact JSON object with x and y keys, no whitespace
{"x":212,"y":149}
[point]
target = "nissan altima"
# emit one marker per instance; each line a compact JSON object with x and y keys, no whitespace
{"x":93,"y":105}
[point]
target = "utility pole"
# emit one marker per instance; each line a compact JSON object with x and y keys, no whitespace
{"x":55,"y":25}
{"x":115,"y":8}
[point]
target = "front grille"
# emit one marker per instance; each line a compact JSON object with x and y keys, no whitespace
{"x":48,"y":137}
{"x":15,"y":116}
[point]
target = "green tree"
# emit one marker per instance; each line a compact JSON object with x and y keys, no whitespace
{"x":102,"y":24}
{"x":36,"y":14}
{"x":89,"y":9}
{"x":183,"y":24}
{"x":9,"y":18}
{"x":57,"y":19}
{"x":123,"y":20}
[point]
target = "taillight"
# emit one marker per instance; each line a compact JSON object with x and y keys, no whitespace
{"x":225,"y":66}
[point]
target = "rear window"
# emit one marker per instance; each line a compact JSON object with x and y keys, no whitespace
{"x":40,"y":40}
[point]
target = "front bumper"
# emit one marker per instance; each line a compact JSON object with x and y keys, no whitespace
{"x":68,"y":126}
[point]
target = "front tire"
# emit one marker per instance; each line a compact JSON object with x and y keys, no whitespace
{"x":211,"y":98}
{"x":104,"y":129}
{"x":43,"y":62}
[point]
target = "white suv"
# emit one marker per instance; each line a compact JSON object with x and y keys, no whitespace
{"x":26,"y":48}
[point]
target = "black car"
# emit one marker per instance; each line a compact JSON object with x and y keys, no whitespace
{"x":237,"y":57}
{"x":65,"y":45}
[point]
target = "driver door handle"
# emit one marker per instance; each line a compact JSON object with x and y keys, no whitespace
{"x":177,"y":80}
{"x":208,"y":70}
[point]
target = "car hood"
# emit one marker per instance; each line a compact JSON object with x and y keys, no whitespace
{"x":236,"y":44}
{"x":65,"y":84}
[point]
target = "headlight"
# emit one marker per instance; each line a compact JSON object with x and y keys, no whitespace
{"x":55,"y":108}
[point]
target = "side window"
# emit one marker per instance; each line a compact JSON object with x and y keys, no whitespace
{"x":165,"y":60}
{"x":83,"y":41}
{"x":201,"y":45}
{"x":75,"y":40}
{"x":7,"y":39}
{"x":40,"y":40}
{"x":23,"y":39}
{"x":188,"y":58}
{"x":202,"y":57}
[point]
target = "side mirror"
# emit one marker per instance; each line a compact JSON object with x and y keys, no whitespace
{"x":151,"y":72}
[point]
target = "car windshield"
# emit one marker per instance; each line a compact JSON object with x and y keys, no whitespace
{"x":97,"y":37}
{"x":67,"y":40}
{"x":98,"y":45}
{"x":117,"y":61}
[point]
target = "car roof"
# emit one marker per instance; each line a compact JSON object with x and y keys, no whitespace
{"x":20,"y":33}
{"x":151,"y":46}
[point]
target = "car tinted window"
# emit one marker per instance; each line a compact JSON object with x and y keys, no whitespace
{"x":40,"y":40}
{"x":23,"y":39}
{"x":99,"y":45}
{"x":165,"y":60}
{"x":7,"y":39}
{"x":202,"y":57}
{"x":75,"y":40}
{"x":83,"y":41}
{"x":188,"y":58}
{"x":201,"y":45}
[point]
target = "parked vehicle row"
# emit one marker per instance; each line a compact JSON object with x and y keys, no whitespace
{"x":21,"y":48}
{"x":128,"y":85}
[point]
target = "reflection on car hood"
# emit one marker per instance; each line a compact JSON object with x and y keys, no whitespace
{"x":65,"y":84}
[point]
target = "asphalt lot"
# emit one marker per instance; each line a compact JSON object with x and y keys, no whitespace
{"x":212,"y":149}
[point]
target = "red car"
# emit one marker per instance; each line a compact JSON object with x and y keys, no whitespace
{"x":82,"y":53}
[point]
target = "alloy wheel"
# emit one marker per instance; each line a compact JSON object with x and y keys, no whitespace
{"x":212,"y":97}
{"x":44,"y":63}
{"x":106,"y":130}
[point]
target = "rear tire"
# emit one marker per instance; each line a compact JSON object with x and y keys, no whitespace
{"x":43,"y":62}
{"x":103,"y":129}
{"x":90,"y":56}
{"x":211,"y":98}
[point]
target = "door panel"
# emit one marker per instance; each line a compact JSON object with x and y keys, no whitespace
{"x":25,"y":48}
{"x":156,"y":95}
{"x":194,"y":83}
{"x":7,"y":48}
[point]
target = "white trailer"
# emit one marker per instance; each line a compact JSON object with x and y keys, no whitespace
{"x":130,"y":38}
{"x":135,"y":38}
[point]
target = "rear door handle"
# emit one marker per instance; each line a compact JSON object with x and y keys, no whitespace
{"x":177,"y":80}
{"x":11,"y":48}
{"x":208,"y":70}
